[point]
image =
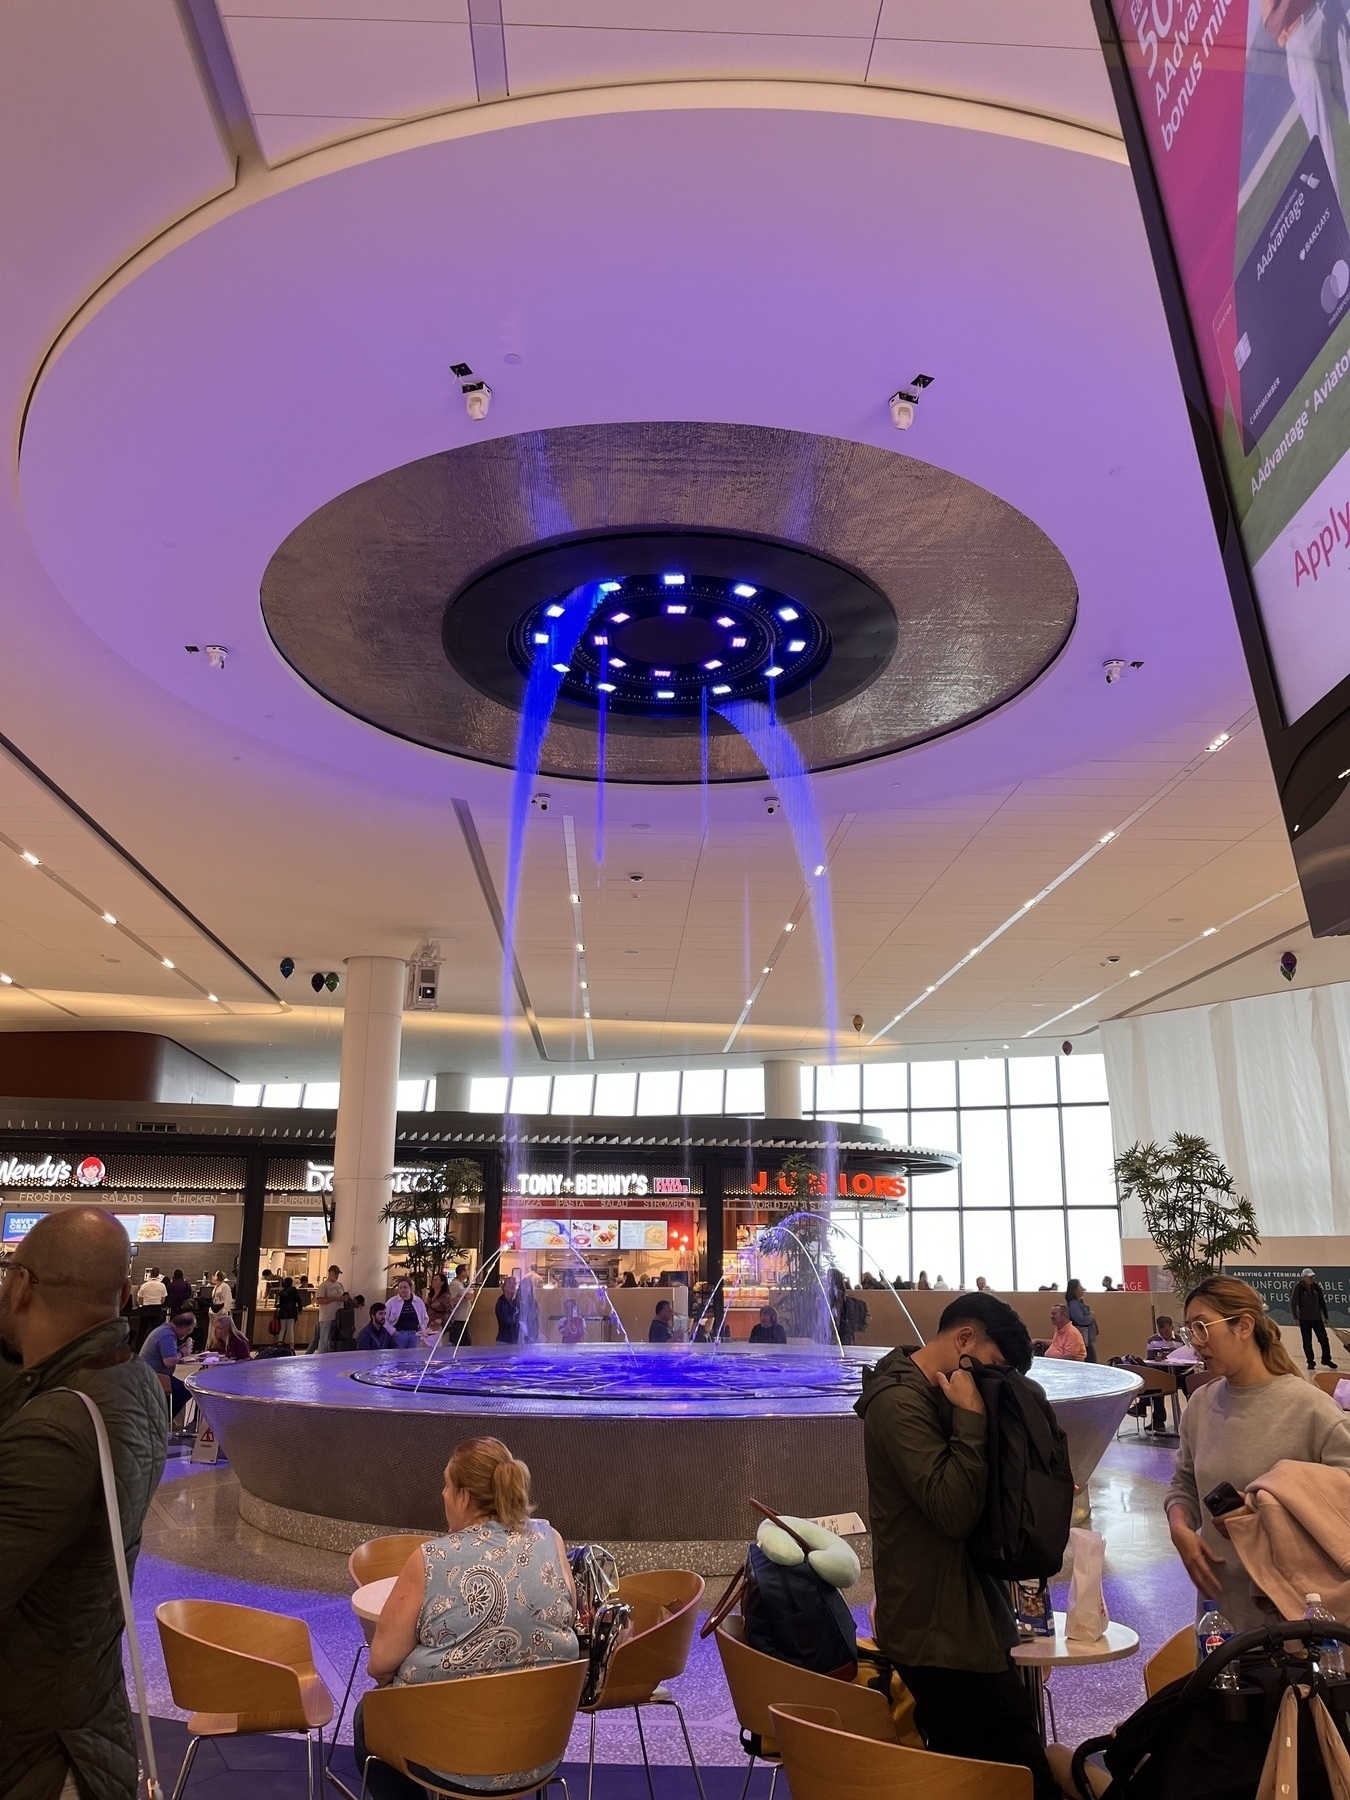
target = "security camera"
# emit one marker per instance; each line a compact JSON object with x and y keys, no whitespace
{"x":902,"y":410}
{"x":772,"y":804}
{"x":1067,"y":1047}
{"x":287,"y":967}
{"x":477,"y":399}
{"x":1113,"y":668}
{"x":541,"y":801}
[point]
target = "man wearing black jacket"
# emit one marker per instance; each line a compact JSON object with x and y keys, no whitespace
{"x":1308,"y":1304}
{"x":945,"y":1626}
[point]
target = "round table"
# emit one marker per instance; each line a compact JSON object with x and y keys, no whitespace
{"x":368,"y":1603}
{"x":1034,"y":1656}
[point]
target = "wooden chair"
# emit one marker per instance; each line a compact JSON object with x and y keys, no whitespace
{"x":237,"y":1671}
{"x":665,"y":1612}
{"x":375,"y":1560}
{"x":1327,"y":1379}
{"x":825,"y":1762}
{"x":478,"y":1725}
{"x":758,"y":1682}
{"x":1171,"y":1661}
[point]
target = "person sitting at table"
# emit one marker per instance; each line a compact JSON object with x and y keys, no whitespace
{"x":662,"y":1327}
{"x":162,"y":1350}
{"x":374,"y":1336}
{"x":1067,"y":1345}
{"x":225,"y":1339}
{"x":571,"y":1327}
{"x":768,"y":1331}
{"x":495,"y":1593}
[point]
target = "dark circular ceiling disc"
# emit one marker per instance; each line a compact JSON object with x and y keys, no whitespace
{"x":799,"y":629}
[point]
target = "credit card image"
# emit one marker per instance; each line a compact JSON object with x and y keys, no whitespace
{"x":1290,"y":295}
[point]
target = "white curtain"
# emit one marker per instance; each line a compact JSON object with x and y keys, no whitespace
{"x":1264,"y":1080}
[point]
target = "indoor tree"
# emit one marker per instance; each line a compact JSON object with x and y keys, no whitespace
{"x":424,"y":1218}
{"x":1192,"y":1211}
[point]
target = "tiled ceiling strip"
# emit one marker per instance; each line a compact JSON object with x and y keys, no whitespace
{"x":487,"y":35}
{"x":1197,"y":762}
{"x":578,"y":926}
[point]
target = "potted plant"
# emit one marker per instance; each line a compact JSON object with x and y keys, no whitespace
{"x":424,"y":1219}
{"x":1192,"y":1211}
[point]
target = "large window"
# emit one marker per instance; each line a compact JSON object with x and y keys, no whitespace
{"x":1034,"y":1200}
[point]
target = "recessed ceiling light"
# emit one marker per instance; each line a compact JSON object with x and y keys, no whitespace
{"x":1133,"y":973}
{"x":214,"y":999}
{"x":787,"y":612}
{"x":796,"y":645}
{"x":677,"y":609}
{"x":726,"y":623}
{"x":743,"y":591}
{"x":665,"y":693}
{"x":713,"y":663}
{"x":583,"y":984}
{"x":108,"y":919}
{"x":673,"y":580}
{"x":659,"y":674}
{"x":606,"y":687}
{"x":1107,"y":838}
{"x":1209,"y":931}
{"x":767,"y":969}
{"x":553,"y":612}
{"x":8,"y":980}
{"x":820,"y":868}
{"x":541,"y":637}
{"x":1218,"y":742}
{"x":610,"y":587}
{"x":619,"y":618}
{"x":738,"y":643}
{"x":722,"y":688}
{"x":600,"y":638}
{"x":166,"y":962}
{"x":617,"y":662}
{"x":28,"y":857}
{"x":789,"y":926}
{"x":581,"y":947}
{"x":773,"y":670}
{"x":575,"y":899}
{"x":561,"y":668}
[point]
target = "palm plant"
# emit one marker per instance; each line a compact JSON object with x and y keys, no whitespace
{"x":424,"y":1218}
{"x":1192,"y":1211}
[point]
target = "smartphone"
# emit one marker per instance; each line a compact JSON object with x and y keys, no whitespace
{"x":1224,"y":1498}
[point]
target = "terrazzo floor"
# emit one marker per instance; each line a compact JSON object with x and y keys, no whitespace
{"x":197,"y":1546}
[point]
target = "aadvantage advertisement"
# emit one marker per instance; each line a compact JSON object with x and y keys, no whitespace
{"x":1244,"y":106}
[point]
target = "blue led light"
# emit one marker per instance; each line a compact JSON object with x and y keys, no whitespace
{"x":773,"y":670}
{"x":787,"y":612}
{"x":796,"y":645}
{"x":743,"y":591}
{"x":554,"y":612}
{"x":673,"y":580}
{"x":726,"y":623}
{"x":610,"y":587}
{"x":677,"y":609}
{"x":561,"y":668}
{"x":665,"y":693}
{"x":715,"y":663}
{"x":722,"y":688}
{"x":541,"y":637}
{"x":618,"y":618}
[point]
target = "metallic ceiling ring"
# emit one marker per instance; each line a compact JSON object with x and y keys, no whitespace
{"x":396,"y":600}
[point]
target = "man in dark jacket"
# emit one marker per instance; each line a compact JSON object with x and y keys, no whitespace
{"x":945,"y":1626}
{"x":63,"y":1701}
{"x":1308,"y":1304}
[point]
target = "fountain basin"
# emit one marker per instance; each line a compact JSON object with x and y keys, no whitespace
{"x":654,"y":1449}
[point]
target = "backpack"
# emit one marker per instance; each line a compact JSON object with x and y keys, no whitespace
{"x":1024,"y":1530}
{"x":791,"y":1612}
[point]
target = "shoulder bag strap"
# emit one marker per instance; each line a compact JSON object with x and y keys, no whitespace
{"x":105,"y":1465}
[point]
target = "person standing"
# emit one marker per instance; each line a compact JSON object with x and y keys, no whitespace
{"x":344,"y":1327}
{"x":65,"y":1725}
{"x":945,"y":1626}
{"x":461,"y":1305}
{"x":508,"y":1313}
{"x":290,"y":1304}
{"x":151,"y":1298}
{"x":1261,"y":1412}
{"x":1075,"y":1299}
{"x":329,"y":1295}
{"x":179,"y":1295}
{"x":406,"y":1314}
{"x":222,"y":1294}
{"x":1308,"y":1304}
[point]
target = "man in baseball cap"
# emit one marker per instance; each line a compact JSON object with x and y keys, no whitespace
{"x":329,"y":1295}
{"x":1308,"y":1304}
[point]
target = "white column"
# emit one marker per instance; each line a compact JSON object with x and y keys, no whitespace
{"x":363,"y":1154}
{"x":452,"y":1092}
{"x":782,"y":1090}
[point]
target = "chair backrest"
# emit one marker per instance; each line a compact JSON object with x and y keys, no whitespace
{"x":477,"y":1725}
{"x":381,"y":1557}
{"x":235,"y":1659}
{"x":1326,"y":1379}
{"x":665,"y":1614}
{"x":824,"y":1762}
{"x":1171,"y":1661}
{"x":758,"y":1682}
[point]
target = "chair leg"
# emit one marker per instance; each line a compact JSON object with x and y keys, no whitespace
{"x":590,"y":1766}
{"x":773,"y":1779}
{"x":693,"y":1764}
{"x":186,"y":1769}
{"x":745,"y":1786}
{"x":1050,"y":1708}
{"x":309,"y":1759}
{"x":342,"y":1710}
{"x":642,"y":1740}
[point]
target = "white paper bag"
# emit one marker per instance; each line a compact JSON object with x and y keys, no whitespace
{"x":1087,"y":1617}
{"x":1342,"y":1394}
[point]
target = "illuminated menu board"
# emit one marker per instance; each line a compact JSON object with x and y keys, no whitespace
{"x":19,"y":1224}
{"x":142,"y":1228}
{"x":189,"y":1228}
{"x":306,"y":1231}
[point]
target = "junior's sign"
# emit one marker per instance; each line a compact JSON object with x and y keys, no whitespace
{"x":861,"y":1185}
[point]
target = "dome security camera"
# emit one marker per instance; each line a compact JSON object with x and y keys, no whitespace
{"x":772,"y":804}
{"x":541,"y":802}
{"x":477,"y":399}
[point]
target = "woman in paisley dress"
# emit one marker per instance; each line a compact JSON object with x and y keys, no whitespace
{"x":495,"y":1593}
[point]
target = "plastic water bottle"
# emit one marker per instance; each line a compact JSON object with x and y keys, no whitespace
{"x":1214,"y":1632}
{"x":1329,"y":1651}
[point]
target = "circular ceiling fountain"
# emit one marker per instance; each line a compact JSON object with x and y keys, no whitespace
{"x":414,"y":600}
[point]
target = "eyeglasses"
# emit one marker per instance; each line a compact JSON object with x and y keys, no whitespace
{"x":1196,"y":1331}
{"x":14,"y":1263}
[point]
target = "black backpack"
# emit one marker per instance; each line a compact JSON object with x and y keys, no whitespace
{"x":1024,"y":1530}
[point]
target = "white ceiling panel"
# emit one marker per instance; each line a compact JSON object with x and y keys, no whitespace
{"x":1068,"y":83}
{"x":389,"y":11}
{"x":1050,"y":22}
{"x":773,"y":18}
{"x":540,"y":57}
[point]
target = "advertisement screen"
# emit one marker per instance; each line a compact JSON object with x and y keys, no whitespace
{"x":189,"y":1228}
{"x":558,"y":1234}
{"x":1243,"y":104}
{"x":19,"y":1224}
{"x":305,"y":1231}
{"x":643,"y":1234}
{"x":142,"y":1228}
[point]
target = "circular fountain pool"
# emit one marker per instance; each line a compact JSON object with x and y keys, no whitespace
{"x":655,"y":1449}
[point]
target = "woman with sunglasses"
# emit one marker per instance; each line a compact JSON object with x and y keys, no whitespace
{"x":1259,"y":1412}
